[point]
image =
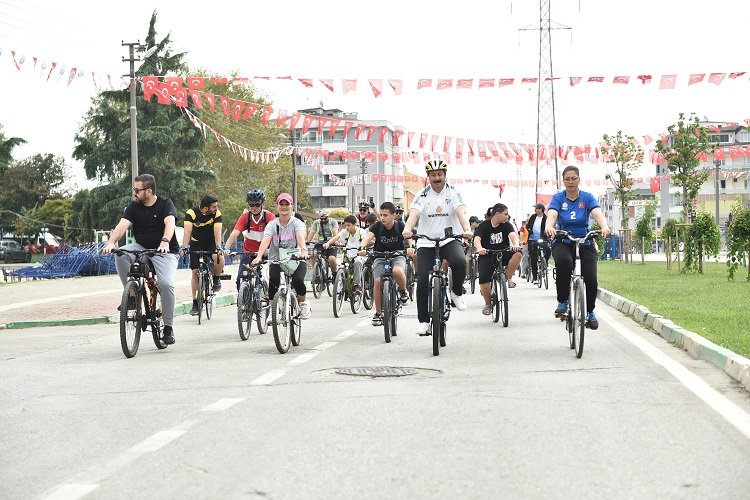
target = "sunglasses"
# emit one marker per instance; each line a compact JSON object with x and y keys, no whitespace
{"x":138,"y":190}
{"x":254,"y":205}
{"x":364,"y":210}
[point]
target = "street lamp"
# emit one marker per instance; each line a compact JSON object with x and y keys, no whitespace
{"x":717,"y":163}
{"x":292,"y":137}
{"x":363,"y":166}
{"x":133,"y":120}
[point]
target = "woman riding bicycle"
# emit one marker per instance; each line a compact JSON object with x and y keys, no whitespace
{"x":572,"y":209}
{"x":497,"y":233}
{"x":285,"y":232}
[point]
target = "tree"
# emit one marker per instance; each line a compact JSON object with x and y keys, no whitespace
{"x":703,"y":240}
{"x":643,"y":233}
{"x":339,"y":213}
{"x":689,"y":143}
{"x":56,"y":215}
{"x":627,"y":155}
{"x":6,"y":149}
{"x":169,"y":146}
{"x":738,"y":239}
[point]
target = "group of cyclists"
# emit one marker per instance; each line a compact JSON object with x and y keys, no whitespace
{"x":436,"y":208}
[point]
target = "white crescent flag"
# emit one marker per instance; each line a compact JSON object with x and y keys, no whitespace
{"x":349,"y":85}
{"x":396,"y":85}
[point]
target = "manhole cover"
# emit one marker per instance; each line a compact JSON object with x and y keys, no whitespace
{"x":377,"y":371}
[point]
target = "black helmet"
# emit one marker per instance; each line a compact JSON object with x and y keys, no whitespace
{"x":255,"y":196}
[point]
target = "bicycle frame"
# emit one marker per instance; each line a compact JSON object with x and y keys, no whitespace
{"x":392,"y":306}
{"x":288,"y":316}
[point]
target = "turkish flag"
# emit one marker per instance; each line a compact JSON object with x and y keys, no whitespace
{"x":696,"y":78}
{"x":251,"y":108}
{"x":736,"y":75}
{"x":377,"y":87}
{"x":528,"y":80}
{"x":360,"y":128}
{"x":505,"y":81}
{"x":734,"y":152}
{"x":241,"y":80}
{"x":396,"y":157}
{"x":486,"y":83}
{"x":219,"y":80}
{"x":163,"y":94}
{"x":397,"y":136}
{"x":180,"y":97}
{"x":225,"y":105}
{"x":354,"y":155}
{"x":396,"y":85}
{"x":464,"y":84}
{"x":197,"y":101}
{"x":493,"y":150}
{"x":645,"y":79}
{"x":347,"y":126}
{"x":664,"y":139}
{"x":307,"y":82}
{"x":381,"y":134}
{"x":598,"y":79}
{"x":399,"y":178}
{"x":433,"y":142}
{"x":306,"y":123}
{"x":333,"y":127}
{"x":423,"y":83}
{"x":150,"y":86}
{"x":621,"y":79}
{"x":719,"y":154}
{"x":321,"y":123}
{"x":392,"y":177}
{"x":174,"y":83}
{"x":716,"y":78}
{"x":647,"y":139}
{"x":667,"y":81}
{"x":443,"y":84}
{"x":370,"y":132}
{"x":714,"y":128}
{"x":575,"y":80}
{"x":349,"y":85}
{"x":267,"y":110}
{"x":409,"y":137}
{"x":210,"y":98}
{"x":655,"y":184}
{"x":459,"y":148}
{"x":422,"y":139}
{"x":237,"y":107}
{"x":294,"y":120}
{"x":327,"y":83}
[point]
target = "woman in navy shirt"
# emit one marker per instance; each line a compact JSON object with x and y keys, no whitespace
{"x":572,"y":208}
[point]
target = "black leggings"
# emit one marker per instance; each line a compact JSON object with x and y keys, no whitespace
{"x":453,"y":252}
{"x":533,"y":252}
{"x":563,"y":255}
{"x":298,"y":279}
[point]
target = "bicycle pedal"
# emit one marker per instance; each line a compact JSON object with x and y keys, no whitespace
{"x":224,"y":277}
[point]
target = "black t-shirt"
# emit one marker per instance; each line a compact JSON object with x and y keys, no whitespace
{"x":388,"y":240}
{"x":148,"y":222}
{"x":203,"y":225}
{"x":494,"y":238}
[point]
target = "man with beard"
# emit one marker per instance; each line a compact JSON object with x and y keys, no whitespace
{"x":153,"y":220}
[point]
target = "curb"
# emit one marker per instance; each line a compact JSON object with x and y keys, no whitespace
{"x":734,"y":365}
{"x":226,"y":299}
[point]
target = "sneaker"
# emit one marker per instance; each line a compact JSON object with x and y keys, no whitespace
{"x":403,"y":296}
{"x":591,"y":321}
{"x":377,"y":320}
{"x":304,"y":310}
{"x":458,"y":302}
{"x":194,"y":310}
{"x":168,"y":335}
{"x":422,"y":329}
{"x":217,"y":284}
{"x":562,"y":309}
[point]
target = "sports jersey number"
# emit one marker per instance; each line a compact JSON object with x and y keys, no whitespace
{"x":572,"y":215}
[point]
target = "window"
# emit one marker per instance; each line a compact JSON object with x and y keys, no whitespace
{"x":723,"y":184}
{"x":722,"y":138}
{"x":318,"y":180}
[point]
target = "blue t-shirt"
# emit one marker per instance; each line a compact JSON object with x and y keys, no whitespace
{"x":573,"y":215}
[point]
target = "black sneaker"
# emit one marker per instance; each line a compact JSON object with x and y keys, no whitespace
{"x":217,"y":284}
{"x":377,"y":320}
{"x":168,"y":335}
{"x":194,"y":310}
{"x":403,"y":296}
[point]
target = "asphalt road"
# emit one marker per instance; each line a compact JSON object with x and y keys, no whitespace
{"x":502,"y":412}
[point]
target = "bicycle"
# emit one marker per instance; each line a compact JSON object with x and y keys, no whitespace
{"x":252,"y":298}
{"x":368,"y":283}
{"x":437,"y":293}
{"x":473,"y":273}
{"x":542,"y":271}
{"x":321,"y":273}
{"x":343,"y":288}
{"x":499,"y":288}
{"x":575,"y":317}
{"x":389,"y":301}
{"x":285,"y":311}
{"x":204,"y":291}
{"x":411,"y":277}
{"x":140,"y":307}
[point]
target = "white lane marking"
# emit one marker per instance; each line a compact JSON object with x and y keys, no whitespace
{"x":364,"y":323}
{"x":222,"y":404}
{"x":71,"y":491}
{"x":48,"y":300}
{"x":88,"y":480}
{"x":732,"y":413}
{"x":269,"y":377}
{"x":324,"y":346}
{"x":344,"y":335}
{"x":303,"y":358}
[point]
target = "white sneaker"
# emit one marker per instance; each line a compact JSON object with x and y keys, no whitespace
{"x":458,"y":301}
{"x":422,"y":329}
{"x":304,"y":310}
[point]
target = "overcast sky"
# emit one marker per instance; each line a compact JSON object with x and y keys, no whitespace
{"x":399,"y":40}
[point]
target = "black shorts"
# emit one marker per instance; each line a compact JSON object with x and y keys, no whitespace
{"x":486,"y":264}
{"x":200,"y":247}
{"x":330,"y":252}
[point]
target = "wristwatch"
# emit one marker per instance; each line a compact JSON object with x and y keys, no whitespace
{"x":165,"y":240}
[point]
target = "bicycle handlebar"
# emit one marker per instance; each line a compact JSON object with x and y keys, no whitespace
{"x":151,"y":252}
{"x":456,"y":237}
{"x":569,"y":236}
{"x":388,"y":255}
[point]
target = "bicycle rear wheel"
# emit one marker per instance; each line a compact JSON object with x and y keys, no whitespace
{"x":244,"y":310}
{"x":280,"y":314}
{"x":368,"y":283}
{"x":385,"y":302}
{"x":473,"y":273}
{"x":579,"y":313}
{"x":130,"y":319}
{"x":339,"y":291}
{"x":494,"y":299}
{"x":199,"y":295}
{"x":208,"y":291}
{"x":317,"y":280}
{"x":410,"y":283}
{"x":295,"y":323}
{"x":156,"y":321}
{"x":355,"y":301}
{"x":329,"y":280}
{"x":438,"y":302}
{"x":544,"y":275}
{"x":263,"y":307}
{"x":502,"y":298}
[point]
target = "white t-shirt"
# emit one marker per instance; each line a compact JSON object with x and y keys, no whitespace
{"x":352,"y":241}
{"x":283,"y":236}
{"x":437,"y":211}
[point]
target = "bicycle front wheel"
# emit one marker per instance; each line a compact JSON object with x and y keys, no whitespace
{"x":494,"y":299}
{"x":544,"y":275}
{"x":438,"y":302}
{"x":156,"y":322}
{"x":502,"y":298}
{"x":130,"y":319}
{"x":410,"y":281}
{"x":473,"y":274}
{"x":318,"y":280}
{"x":208,"y":292}
{"x":263,"y":307}
{"x":368,"y":283}
{"x":339,"y":291}
{"x":579,"y":312}
{"x":385,"y":303}
{"x":295,"y":324}
{"x":244,"y":310}
{"x":280,"y":316}
{"x":199,"y":295}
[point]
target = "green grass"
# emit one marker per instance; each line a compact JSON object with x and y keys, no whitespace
{"x":706,"y":304}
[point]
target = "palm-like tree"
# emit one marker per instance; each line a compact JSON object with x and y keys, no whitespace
{"x":6,"y":149}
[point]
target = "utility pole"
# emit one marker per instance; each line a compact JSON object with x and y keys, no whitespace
{"x":363,"y":166}
{"x":717,"y":163}
{"x":133,"y":123}
{"x":293,"y":135}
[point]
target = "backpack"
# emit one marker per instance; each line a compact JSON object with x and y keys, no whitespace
{"x":249,"y":215}
{"x":397,"y":224}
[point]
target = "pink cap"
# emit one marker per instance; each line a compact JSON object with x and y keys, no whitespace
{"x":285,"y":196}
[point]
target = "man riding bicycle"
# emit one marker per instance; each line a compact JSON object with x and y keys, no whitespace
{"x":388,"y":237}
{"x":535,"y":227}
{"x":153,"y":220}
{"x":352,"y":236}
{"x":439,"y":206}
{"x":203,"y":233}
{"x":251,"y":225}
{"x":497,"y":233}
{"x":322,"y":230}
{"x":364,"y":211}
